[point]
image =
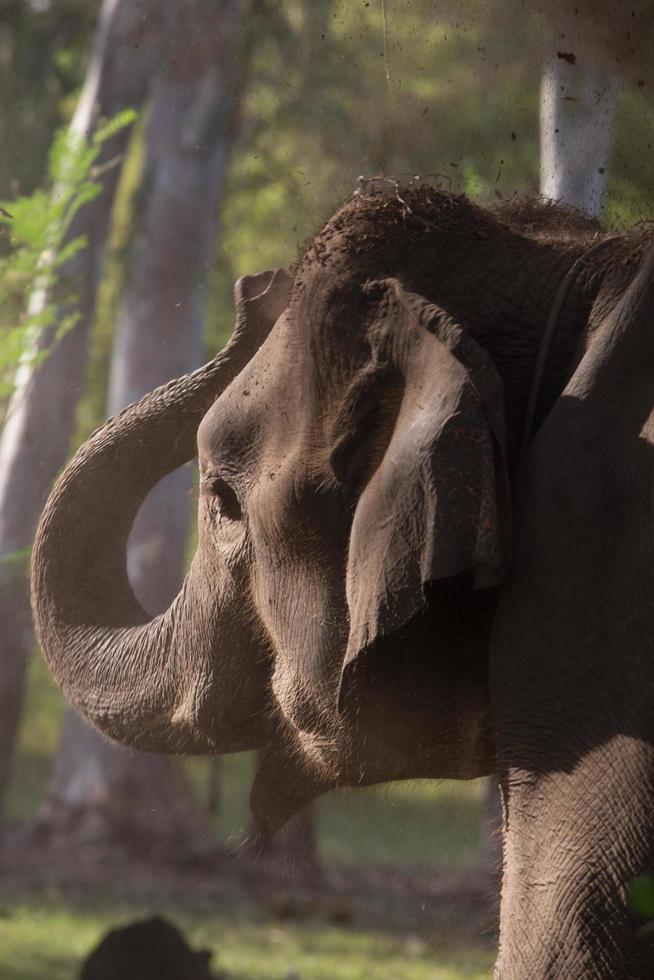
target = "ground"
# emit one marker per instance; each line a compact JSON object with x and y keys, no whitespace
{"x":379,"y":926}
{"x":400,"y":897}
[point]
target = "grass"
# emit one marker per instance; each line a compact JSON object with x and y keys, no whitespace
{"x":49,"y":937}
{"x":422,"y":825}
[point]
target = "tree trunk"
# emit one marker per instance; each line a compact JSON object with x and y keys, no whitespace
{"x":36,"y":437}
{"x":99,"y":792}
{"x":578,"y":103}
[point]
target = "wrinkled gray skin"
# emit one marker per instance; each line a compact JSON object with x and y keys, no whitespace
{"x":370,"y":545}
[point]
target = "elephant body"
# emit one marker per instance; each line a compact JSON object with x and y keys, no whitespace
{"x":388,"y":584}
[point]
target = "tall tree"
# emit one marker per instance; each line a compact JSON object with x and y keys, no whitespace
{"x":99,"y":791}
{"x":578,"y":105}
{"x":43,"y":53}
{"x":36,"y":436}
{"x":594,"y":47}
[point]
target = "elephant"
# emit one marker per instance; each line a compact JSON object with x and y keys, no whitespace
{"x":423,"y":534}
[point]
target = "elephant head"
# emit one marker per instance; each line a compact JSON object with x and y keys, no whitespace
{"x":353,"y":515}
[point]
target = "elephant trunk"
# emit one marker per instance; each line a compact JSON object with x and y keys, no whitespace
{"x":155,"y":683}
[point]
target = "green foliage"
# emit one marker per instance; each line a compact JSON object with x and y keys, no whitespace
{"x":641,"y":896}
{"x":461,"y":108}
{"x":39,"y":225}
{"x":13,"y":567}
{"x":44,"y":48}
{"x":92,"y":407}
{"x":629,"y":196}
{"x":461,"y":105}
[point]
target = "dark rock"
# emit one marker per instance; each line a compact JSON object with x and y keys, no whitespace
{"x":148,"y":950}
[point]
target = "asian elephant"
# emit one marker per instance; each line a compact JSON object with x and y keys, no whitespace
{"x":395,"y":577}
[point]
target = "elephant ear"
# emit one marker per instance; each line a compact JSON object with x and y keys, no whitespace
{"x":437,"y":503}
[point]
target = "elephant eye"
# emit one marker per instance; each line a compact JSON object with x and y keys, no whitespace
{"x":225,"y":497}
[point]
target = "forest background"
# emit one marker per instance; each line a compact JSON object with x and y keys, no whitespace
{"x":294,"y":103}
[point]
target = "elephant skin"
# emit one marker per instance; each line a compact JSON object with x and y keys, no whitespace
{"x":384,"y":586}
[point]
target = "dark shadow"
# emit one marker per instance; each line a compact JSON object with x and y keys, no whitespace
{"x":571,"y":664}
{"x":152,"y":949}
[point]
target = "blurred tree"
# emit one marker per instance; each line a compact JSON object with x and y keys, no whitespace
{"x":594,"y":47}
{"x":43,"y":54}
{"x":100,"y":792}
{"x":461,"y":106}
{"x":578,"y":104}
{"x":36,"y":436}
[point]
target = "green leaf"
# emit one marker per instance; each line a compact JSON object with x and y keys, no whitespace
{"x":66,"y":324}
{"x":640,"y":896}
{"x":70,"y":250}
{"x":38,"y":230}
{"x":113,"y":126}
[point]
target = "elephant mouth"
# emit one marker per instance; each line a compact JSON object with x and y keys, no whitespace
{"x":416,"y":706}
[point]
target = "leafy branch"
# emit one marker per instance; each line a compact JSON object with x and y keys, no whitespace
{"x":38,"y":227}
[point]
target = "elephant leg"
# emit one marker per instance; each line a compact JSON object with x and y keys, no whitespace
{"x":577,"y":770}
{"x":572,"y":671}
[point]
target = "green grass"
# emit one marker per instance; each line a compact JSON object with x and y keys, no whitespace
{"x":49,"y":938}
{"x":421,"y":824}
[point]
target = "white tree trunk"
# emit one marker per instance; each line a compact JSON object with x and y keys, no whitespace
{"x":36,"y":436}
{"x":578,"y":104}
{"x":104,"y":793}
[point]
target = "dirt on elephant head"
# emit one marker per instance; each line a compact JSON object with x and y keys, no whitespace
{"x":546,"y":221}
{"x":421,"y":234}
{"x":384,"y":224}
{"x":389,"y":229}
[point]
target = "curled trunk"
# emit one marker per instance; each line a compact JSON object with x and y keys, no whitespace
{"x":162,"y":683}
